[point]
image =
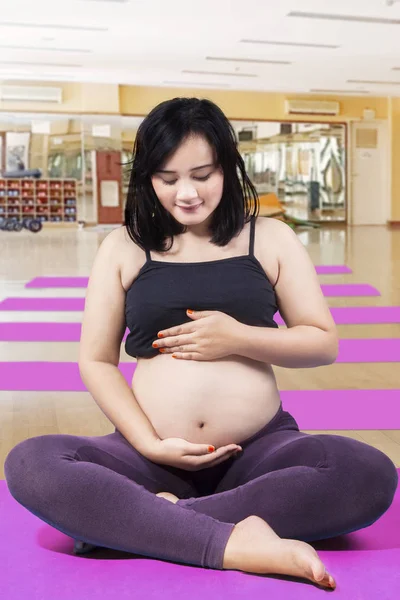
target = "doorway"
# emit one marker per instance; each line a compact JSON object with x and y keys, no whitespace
{"x":370,"y":174}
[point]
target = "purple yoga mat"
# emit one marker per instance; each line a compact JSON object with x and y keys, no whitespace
{"x":43,"y":304}
{"x":81,"y":282}
{"x":330,"y":291}
{"x":350,"y":289}
{"x":369,"y":350}
{"x":38,"y":563}
{"x":332,"y":269}
{"x":350,"y":350}
{"x":343,"y":315}
{"x":313,"y":409}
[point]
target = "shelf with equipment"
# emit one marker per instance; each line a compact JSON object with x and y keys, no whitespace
{"x":48,"y":200}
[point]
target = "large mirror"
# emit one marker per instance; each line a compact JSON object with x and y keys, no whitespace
{"x":298,"y":166}
{"x":298,"y":169}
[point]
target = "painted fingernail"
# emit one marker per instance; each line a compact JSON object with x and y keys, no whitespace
{"x":160,"y":335}
{"x":161,"y":350}
{"x":155,"y":345}
{"x":211,"y":449}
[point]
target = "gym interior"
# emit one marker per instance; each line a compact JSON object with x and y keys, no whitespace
{"x":312,"y":93}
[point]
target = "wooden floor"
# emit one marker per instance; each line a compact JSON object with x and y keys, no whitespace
{"x":373,"y":253}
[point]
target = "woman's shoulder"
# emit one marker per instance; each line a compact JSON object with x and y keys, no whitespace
{"x":131,"y":257}
{"x":270,"y":242}
{"x":273,"y":226}
{"x":272,"y":232}
{"x":123,"y":241}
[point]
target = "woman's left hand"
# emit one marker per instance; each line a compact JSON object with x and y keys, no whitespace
{"x":211,"y":334}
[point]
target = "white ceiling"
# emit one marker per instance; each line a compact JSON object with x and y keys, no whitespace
{"x":158,"y":42}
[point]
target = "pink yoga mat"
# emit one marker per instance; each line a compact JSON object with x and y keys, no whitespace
{"x":361,"y":315}
{"x":38,"y":564}
{"x":343,"y":315}
{"x":81,"y":282}
{"x":313,"y":409}
{"x":350,"y":350}
{"x":339,"y":290}
{"x":369,"y":350}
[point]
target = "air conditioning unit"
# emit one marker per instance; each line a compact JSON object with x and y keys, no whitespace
{"x":16,"y":93}
{"x":311,"y":107}
{"x":246,"y":135}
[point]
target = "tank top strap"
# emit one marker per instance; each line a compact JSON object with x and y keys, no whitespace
{"x":252,"y":233}
{"x":148,"y":257}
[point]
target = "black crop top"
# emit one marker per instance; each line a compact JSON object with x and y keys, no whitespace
{"x":162,"y":292}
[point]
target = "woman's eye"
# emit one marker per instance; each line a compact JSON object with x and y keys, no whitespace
{"x":196,"y":178}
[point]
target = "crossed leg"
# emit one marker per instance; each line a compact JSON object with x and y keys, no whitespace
{"x":307,"y":487}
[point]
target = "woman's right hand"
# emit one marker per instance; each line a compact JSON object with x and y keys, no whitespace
{"x":179,"y":453}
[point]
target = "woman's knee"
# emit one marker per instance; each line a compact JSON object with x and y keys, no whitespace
{"x":360,"y":476}
{"x":384,"y":482}
{"x":374,"y":478}
{"x":26,"y":467}
{"x":376,"y":489}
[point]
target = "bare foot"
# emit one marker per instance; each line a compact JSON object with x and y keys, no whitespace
{"x":168,"y":496}
{"x":254,"y":547}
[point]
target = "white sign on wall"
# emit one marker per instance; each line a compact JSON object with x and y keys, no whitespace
{"x":101,"y":131}
{"x":41,"y":127}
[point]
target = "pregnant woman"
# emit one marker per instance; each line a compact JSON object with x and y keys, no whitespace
{"x":204,"y":466}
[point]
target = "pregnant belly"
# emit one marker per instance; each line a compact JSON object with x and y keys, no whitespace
{"x":219,"y":402}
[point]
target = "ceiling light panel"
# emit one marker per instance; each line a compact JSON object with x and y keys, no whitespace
{"x":251,"y":60}
{"x":349,"y":18}
{"x":12,"y":76}
{"x":197,"y":83}
{"x":221,"y":74}
{"x":46,"y":26}
{"x":42,"y":49}
{"x":373,"y":82}
{"x":353,"y":92}
{"x":39,"y":64}
{"x":295,"y":44}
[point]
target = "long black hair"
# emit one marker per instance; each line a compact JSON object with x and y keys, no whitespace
{"x":158,"y":137}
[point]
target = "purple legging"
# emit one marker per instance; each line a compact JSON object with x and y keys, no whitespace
{"x":101,"y":490}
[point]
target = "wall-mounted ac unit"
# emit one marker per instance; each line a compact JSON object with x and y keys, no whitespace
{"x":246,"y":135}
{"x":16,"y":93}
{"x":311,"y":107}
